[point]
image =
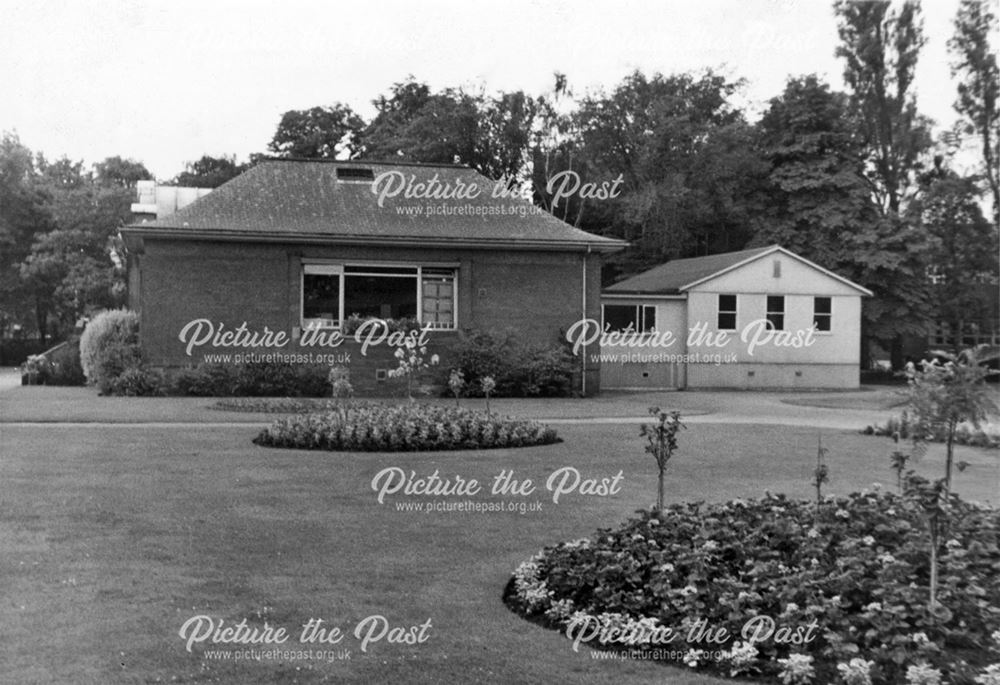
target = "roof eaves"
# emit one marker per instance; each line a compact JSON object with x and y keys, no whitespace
{"x":600,"y":245}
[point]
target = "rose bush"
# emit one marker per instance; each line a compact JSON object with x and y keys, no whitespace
{"x":857,"y":568}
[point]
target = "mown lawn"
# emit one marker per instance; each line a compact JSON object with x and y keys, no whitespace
{"x":113,"y":536}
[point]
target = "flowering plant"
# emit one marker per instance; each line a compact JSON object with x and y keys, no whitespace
{"x":411,"y":362}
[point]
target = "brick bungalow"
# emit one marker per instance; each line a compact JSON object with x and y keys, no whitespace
{"x":294,"y":247}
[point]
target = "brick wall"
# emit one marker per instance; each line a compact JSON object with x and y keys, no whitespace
{"x":537,"y":295}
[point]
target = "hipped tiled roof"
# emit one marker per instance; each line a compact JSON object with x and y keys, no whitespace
{"x":304,"y":199}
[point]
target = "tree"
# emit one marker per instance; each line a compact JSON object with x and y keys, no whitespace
{"x":125,"y":173}
{"x":978,"y":80}
{"x":880,"y":48}
{"x":687,"y":160}
{"x":317,"y":133}
{"x":491,"y":134}
{"x":942,"y":396}
{"x":210,"y":172}
{"x":819,"y":204}
{"x":77,"y":265}
{"x":962,"y":250}
{"x":22,"y":217}
{"x":661,"y":443}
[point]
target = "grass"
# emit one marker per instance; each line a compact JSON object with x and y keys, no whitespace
{"x":113,"y":536}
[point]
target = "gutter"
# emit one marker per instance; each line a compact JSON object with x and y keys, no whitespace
{"x":587,"y":246}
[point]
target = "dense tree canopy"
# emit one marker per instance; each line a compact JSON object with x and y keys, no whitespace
{"x":210,"y":172}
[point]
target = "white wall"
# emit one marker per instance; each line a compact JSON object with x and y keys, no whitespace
{"x":822,"y":360}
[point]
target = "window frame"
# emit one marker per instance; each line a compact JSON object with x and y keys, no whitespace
{"x":769,"y":312}
{"x":640,"y":310}
{"x":344,"y":269}
{"x":828,"y":315}
{"x":719,"y":312}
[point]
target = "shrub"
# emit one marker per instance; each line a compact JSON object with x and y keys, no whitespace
{"x":106,"y":334}
{"x":858,"y":570}
{"x":366,"y":427}
{"x":136,"y":381}
{"x":965,"y":434}
{"x":113,"y":361}
{"x":257,"y":379}
{"x":519,"y":370}
{"x":65,"y":364}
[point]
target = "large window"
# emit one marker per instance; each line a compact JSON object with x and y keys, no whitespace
{"x":727,"y":313}
{"x":321,"y":294}
{"x":621,"y":317}
{"x":822,"y":313}
{"x":776,"y":312}
{"x":333,"y":292}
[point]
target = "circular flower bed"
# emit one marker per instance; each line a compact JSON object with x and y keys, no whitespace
{"x":834,"y":595}
{"x":407,"y":427}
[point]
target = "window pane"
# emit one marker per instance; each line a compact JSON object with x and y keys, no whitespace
{"x":775,"y":304}
{"x":380,"y":297}
{"x":822,"y":305}
{"x":727,"y":313}
{"x":439,"y":301}
{"x":320,"y":296}
{"x":648,"y":318}
{"x":387,"y":270}
{"x":618,"y":317}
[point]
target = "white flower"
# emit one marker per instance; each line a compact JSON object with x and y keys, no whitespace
{"x":991,"y":676}
{"x":953,"y":544}
{"x":921,"y":639}
{"x":812,"y":533}
{"x":692,"y":656}
{"x":435,"y":359}
{"x":876,"y":486}
{"x":857,"y":672}
{"x":873,"y":607}
{"x":740,"y":656}
{"x":923,"y":674}
{"x":665,"y":568}
{"x":561,"y":609}
{"x":842,"y":514}
{"x":791,"y":608}
{"x":885,"y":558}
{"x":868,"y":540}
{"x":797,"y":669}
{"x":689,"y":590}
{"x":710,"y":546}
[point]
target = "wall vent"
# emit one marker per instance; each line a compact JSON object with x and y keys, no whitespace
{"x":381,"y":375}
{"x":355,"y":174}
{"x":777,"y":268}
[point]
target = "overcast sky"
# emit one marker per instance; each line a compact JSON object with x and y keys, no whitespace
{"x":165,"y":82}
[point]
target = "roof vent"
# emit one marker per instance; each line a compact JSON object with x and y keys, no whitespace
{"x":355,"y":174}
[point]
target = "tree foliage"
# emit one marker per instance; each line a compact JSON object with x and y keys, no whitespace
{"x":880,"y":47}
{"x":961,"y":250}
{"x":59,"y":222}
{"x":210,"y":172}
{"x":488,"y":133}
{"x":978,"y":78}
{"x":317,"y":133}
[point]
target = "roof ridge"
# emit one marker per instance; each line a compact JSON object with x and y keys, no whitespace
{"x":380,"y":162}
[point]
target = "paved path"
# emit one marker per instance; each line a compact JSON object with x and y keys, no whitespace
{"x":10,"y":377}
{"x":80,"y":407}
